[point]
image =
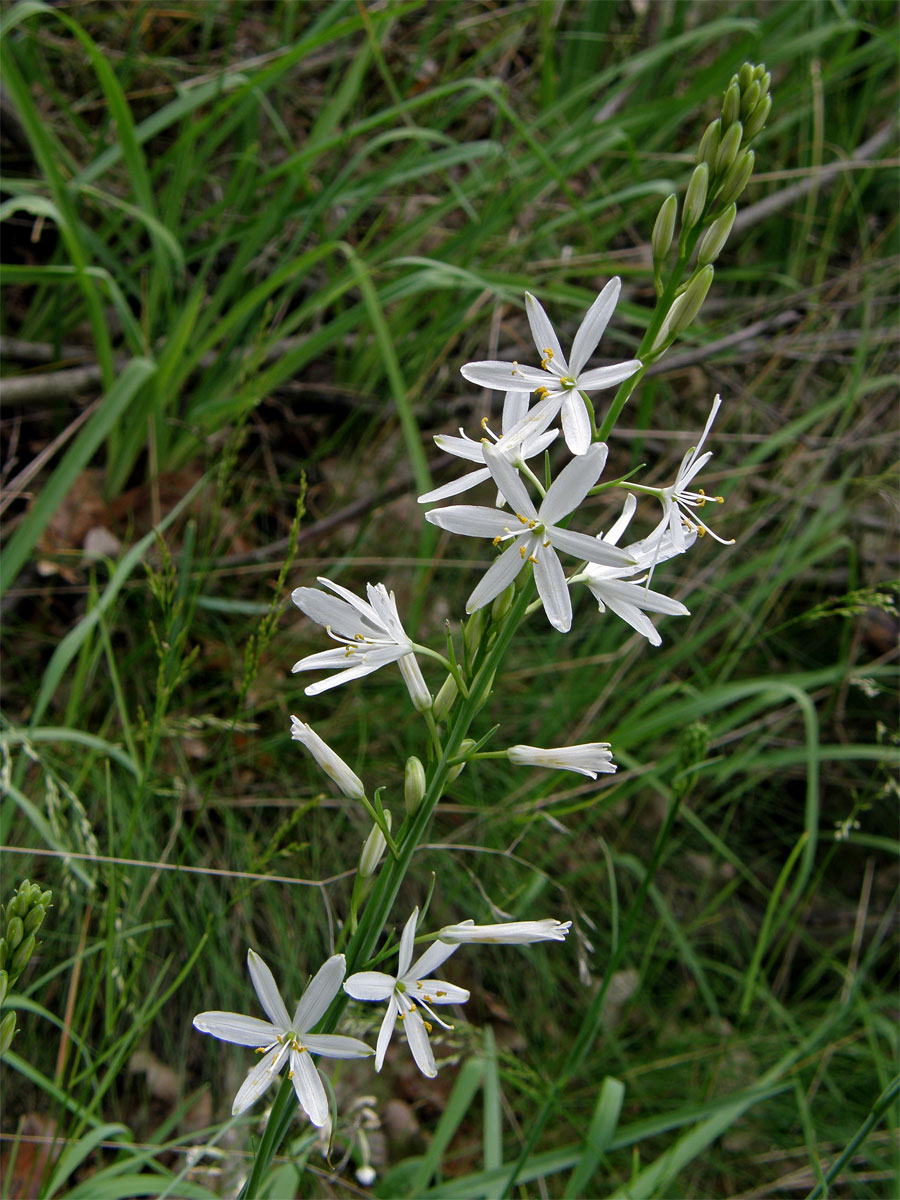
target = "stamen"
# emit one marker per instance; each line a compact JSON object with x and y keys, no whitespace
{"x":522,"y":551}
{"x":484,"y":422}
{"x":547,"y":359}
{"x":532,"y":558}
{"x":428,"y":1026}
{"x":542,"y":393}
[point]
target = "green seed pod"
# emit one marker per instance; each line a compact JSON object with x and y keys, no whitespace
{"x":691,"y":301}
{"x":716,"y":236}
{"x":414,"y":785}
{"x":709,"y":143}
{"x":729,"y":147}
{"x":21,"y":956}
{"x":749,"y":99}
{"x":731,"y":104}
{"x":695,"y":197}
{"x":445,"y":699}
{"x":7,"y":1031}
{"x":664,"y":228}
{"x":15,"y":931}
{"x":745,"y":76}
{"x":758,"y":118}
{"x":454,"y":772}
{"x":737,"y":178}
{"x":503,"y":603}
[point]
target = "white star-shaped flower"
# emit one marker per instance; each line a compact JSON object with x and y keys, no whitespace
{"x":535,"y":533}
{"x":523,"y":435}
{"x":408,"y":991}
{"x":281,"y":1039}
{"x":616,"y":588}
{"x":372,"y":636}
{"x":557,"y":381}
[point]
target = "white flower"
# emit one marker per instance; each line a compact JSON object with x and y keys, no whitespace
{"x":590,"y":758}
{"x":371,"y":633}
{"x":512,"y":933}
{"x":627,"y":597}
{"x":281,"y":1039}
{"x":537,"y":536}
{"x":678,"y":503}
{"x":407,"y":992}
{"x":523,"y":435}
{"x":332,"y":764}
{"x":557,"y":381}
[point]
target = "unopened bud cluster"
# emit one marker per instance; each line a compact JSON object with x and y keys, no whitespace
{"x":722,"y":171}
{"x":20,"y":921}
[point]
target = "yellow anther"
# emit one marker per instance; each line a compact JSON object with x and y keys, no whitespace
{"x":524,"y":520}
{"x":498,"y":539}
{"x":348,"y":653}
{"x":547,"y":543}
{"x":531,"y":558}
{"x":547,"y":359}
{"x":522,"y":552}
{"x":484,"y":422}
{"x":430,"y":999}
{"x":428,"y":1026}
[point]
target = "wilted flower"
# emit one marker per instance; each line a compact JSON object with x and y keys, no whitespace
{"x":512,"y":933}
{"x":372,"y":637}
{"x":589,"y":758}
{"x":281,"y":1039}
{"x":407,"y":992}
{"x":332,"y":764}
{"x":557,"y":382}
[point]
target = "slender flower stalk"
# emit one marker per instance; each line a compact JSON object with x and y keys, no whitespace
{"x":538,"y":534}
{"x":332,"y":764}
{"x":372,"y":636}
{"x":559,"y":383}
{"x":510,"y":933}
{"x":406,"y":992}
{"x":589,"y":758}
{"x":282,"y":1039}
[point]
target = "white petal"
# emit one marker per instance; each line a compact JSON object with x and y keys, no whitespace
{"x":551,"y":585}
{"x":370,"y":985}
{"x":466,"y":447}
{"x":407,"y":940}
{"x":507,"y":376}
{"x":509,"y":482}
{"x":572,"y":484}
{"x":357,"y":672}
{"x":385,"y":1032}
{"x":499,"y":575}
{"x":606,"y":377}
{"x":438,"y":991}
{"x":515,"y":407}
{"x":233,"y":1027}
{"x":595,"y":321}
{"x":417,"y":1036}
{"x":620,"y":591}
{"x":473,"y":520}
{"x":267,"y":990}
{"x":336,"y":1045}
{"x":628,"y":509}
{"x":582,"y":545}
{"x":576,"y":424}
{"x":309,"y":1087}
{"x":258,"y":1079}
{"x":435,"y":954}
{"x":636,"y":619}
{"x":543,"y":333}
{"x":323,"y":987}
{"x":455,"y":486}
{"x":330,"y":612}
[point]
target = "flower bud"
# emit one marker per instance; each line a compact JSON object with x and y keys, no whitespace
{"x":4,"y":954}
{"x":695,"y":197}
{"x":731,"y":104}
{"x":414,"y":785}
{"x":415,"y":682}
{"x":686,"y":306}
{"x":716,"y":236}
{"x":745,"y":76}
{"x":709,"y":143}
{"x":35,"y":919}
{"x":373,"y":849}
{"x":332,"y":764}
{"x":446,"y":698}
{"x":465,"y":746}
{"x":737,"y":178}
{"x":750,"y":99}
{"x":21,"y":956}
{"x":503,"y":603}
{"x":473,"y":630}
{"x":765,"y":81}
{"x":7,"y":1031}
{"x":4,"y":986}
{"x":664,"y":228}
{"x":757,"y":118}
{"x":15,"y":931}
{"x":729,"y":147}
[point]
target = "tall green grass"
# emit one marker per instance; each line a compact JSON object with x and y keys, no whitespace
{"x":278,"y":232}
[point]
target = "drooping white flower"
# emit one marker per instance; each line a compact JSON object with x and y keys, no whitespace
{"x":535,"y":534}
{"x":406,"y":992}
{"x":557,"y":381}
{"x":332,"y":764}
{"x":589,"y":758}
{"x":523,"y":435}
{"x":617,"y":589}
{"x":372,"y":636}
{"x":679,"y":504}
{"x":511,"y":933}
{"x":281,"y":1039}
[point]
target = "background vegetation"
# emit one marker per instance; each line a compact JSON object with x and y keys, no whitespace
{"x":246,"y":248}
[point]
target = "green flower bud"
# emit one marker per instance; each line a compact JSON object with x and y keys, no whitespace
{"x":21,"y":956}
{"x":15,"y":931}
{"x":445,"y":699}
{"x":759,"y":70}
{"x":414,"y":785}
{"x":729,"y":147}
{"x":664,"y":228}
{"x":709,"y":143}
{"x":737,"y":178}
{"x":473,"y":630}
{"x":4,"y":986}
{"x":4,"y":954}
{"x":757,"y":118}
{"x":7,"y":1032}
{"x":373,"y":849}
{"x":745,"y":76}
{"x":716,"y":236}
{"x":464,"y":748}
{"x":685,"y":307}
{"x":35,"y":919}
{"x":731,"y":104}
{"x":503,"y":603}
{"x":750,"y":99}
{"x":695,"y":197}
{"x":692,"y":749}
{"x":765,"y":81}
